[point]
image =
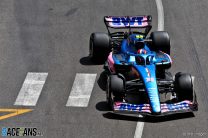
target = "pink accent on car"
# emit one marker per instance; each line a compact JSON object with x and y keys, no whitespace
{"x":111,"y":62}
{"x":144,"y":18}
{"x":169,"y":58}
{"x":118,"y":23}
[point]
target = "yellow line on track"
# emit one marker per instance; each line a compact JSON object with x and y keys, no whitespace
{"x":13,"y":112}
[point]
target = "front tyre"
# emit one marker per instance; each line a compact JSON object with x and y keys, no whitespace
{"x":115,"y":89}
{"x":184,"y":86}
{"x":109,"y":94}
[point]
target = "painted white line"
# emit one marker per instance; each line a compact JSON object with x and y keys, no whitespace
{"x":160,"y":14}
{"x":139,"y":129}
{"x":31,"y":89}
{"x":81,"y":90}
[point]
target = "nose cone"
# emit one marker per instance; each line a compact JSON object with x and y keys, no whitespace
{"x":154,"y":99}
{"x":156,"y":108}
{"x":149,"y":77}
{"x":151,"y":88}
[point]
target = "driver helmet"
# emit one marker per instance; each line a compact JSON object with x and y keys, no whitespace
{"x":137,"y":41}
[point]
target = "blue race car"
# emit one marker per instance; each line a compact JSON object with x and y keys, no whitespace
{"x":137,"y":69}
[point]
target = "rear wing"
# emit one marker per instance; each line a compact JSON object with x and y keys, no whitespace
{"x":127,"y":21}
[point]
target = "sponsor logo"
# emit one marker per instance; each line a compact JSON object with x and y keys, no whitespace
{"x":127,"y":20}
{"x":133,"y":107}
{"x":129,"y":107}
{"x":20,"y":131}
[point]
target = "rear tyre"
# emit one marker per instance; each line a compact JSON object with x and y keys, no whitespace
{"x":99,"y":47}
{"x":184,"y":86}
{"x":161,"y":41}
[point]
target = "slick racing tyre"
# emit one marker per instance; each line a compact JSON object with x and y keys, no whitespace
{"x":109,"y":94}
{"x":160,"y":41}
{"x":184,"y":86}
{"x":99,"y":47}
{"x":115,"y":87}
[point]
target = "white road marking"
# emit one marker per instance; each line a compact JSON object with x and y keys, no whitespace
{"x":31,"y":89}
{"x":139,"y":129}
{"x":160,"y":13}
{"x":81,"y":90}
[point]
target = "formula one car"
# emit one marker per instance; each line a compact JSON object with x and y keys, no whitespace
{"x":137,"y":67}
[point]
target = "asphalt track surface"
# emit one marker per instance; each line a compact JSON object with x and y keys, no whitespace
{"x":52,"y":36}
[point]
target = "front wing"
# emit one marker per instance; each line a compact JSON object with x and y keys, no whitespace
{"x":145,"y":109}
